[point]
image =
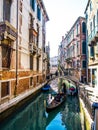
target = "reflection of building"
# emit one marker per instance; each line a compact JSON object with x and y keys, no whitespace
{"x":91,"y":13}
{"x":73,"y":50}
{"x":22,"y":46}
{"x":53,"y":64}
{"x":31,"y":116}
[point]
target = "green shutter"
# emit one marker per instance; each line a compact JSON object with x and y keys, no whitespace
{"x":84,"y":64}
{"x":92,"y":51}
{"x":84,"y":47}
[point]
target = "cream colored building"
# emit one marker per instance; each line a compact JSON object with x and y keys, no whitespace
{"x":91,"y":13}
{"x":22,"y":46}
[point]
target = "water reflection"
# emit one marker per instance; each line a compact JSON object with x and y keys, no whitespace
{"x":56,"y":123}
{"x":30,"y":118}
{"x":71,"y":114}
{"x":34,"y":116}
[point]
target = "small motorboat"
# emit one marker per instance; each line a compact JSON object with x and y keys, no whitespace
{"x":57,"y":101}
{"x":46,"y":87}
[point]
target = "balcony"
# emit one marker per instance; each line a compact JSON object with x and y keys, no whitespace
{"x":93,"y":37}
{"x":32,"y":48}
{"x":7,"y":31}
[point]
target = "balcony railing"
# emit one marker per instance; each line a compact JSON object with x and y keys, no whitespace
{"x":32,"y":48}
{"x":94,"y":35}
{"x":7,"y":31}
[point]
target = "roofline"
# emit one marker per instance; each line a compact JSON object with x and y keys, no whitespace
{"x":87,"y":6}
{"x":75,"y":24}
{"x":44,"y":9}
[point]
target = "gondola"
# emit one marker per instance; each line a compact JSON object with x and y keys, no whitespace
{"x":72,"y":90}
{"x":46,"y":87}
{"x":56,"y":102}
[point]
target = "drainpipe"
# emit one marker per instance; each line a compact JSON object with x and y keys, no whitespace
{"x":16,"y":83}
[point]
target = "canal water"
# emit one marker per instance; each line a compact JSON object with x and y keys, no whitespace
{"x":33,"y":116}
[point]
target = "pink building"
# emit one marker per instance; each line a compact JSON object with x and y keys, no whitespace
{"x":74,"y":50}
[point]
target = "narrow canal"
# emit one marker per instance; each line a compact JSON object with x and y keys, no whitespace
{"x":33,"y":116}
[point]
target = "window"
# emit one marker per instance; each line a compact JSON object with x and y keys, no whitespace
{"x":20,"y":6}
{"x":84,"y":47}
{"x":77,"y":29}
{"x":37,"y":63}
{"x":32,"y":4}
{"x":83,"y":27}
{"x":37,"y":35}
{"x":7,"y":10}
{"x":4,"y":89}
{"x":91,"y":26}
{"x":6,"y":56}
{"x":91,"y":6}
{"x":20,"y":23}
{"x":31,"y":62}
{"x":92,"y":51}
{"x":31,"y":81}
{"x":94,"y":22}
{"x":86,"y":16}
{"x":38,"y":13}
{"x":73,"y":34}
{"x":83,"y":64}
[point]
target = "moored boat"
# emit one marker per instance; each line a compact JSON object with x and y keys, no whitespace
{"x":57,"y":101}
{"x":72,"y":90}
{"x":46,"y":87}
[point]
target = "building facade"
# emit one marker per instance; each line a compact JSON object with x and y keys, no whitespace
{"x":48,"y":58}
{"x":53,"y":64}
{"x":91,"y":14}
{"x":62,"y":52}
{"x":22,"y":46}
{"x":73,"y":50}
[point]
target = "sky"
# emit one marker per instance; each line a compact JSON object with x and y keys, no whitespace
{"x":62,"y":15}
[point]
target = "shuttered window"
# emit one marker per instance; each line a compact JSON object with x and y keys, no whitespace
{"x":38,"y":13}
{"x":83,"y":27}
{"x":84,"y":64}
{"x":84,"y":47}
{"x":92,"y":51}
{"x":32,"y":4}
